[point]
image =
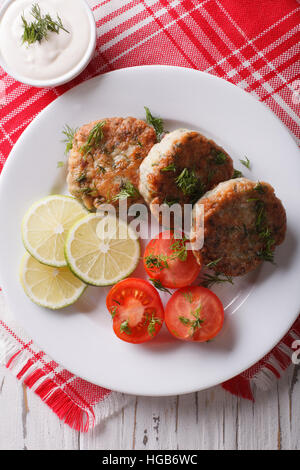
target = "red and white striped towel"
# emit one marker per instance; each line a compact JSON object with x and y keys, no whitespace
{"x":253,"y":44}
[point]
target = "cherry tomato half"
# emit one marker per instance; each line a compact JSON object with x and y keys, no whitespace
{"x":194,"y":314}
{"x":168,"y":261}
{"x":136,"y":309}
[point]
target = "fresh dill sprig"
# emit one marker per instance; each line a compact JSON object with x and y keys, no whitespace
{"x":125,"y":328}
{"x":214,"y":263}
{"x":113,"y":311}
{"x":127,"y":190}
{"x":188,"y":296}
{"x":151,"y":326}
{"x":260,"y":214}
{"x":220,"y":158}
{"x":267,"y":253}
{"x":237,"y":174}
{"x":154,"y":262}
{"x":40,"y":28}
{"x":159,"y":286}
{"x":87,"y":191}
{"x":246,"y":162}
{"x":184,"y":320}
{"x":81,"y":177}
{"x":193,"y":324}
{"x":259,"y":188}
{"x":187,"y":181}
{"x":69,"y":134}
{"x":94,"y":138}
{"x":264,"y":232}
{"x":209,"y":280}
{"x":156,"y":123}
{"x":179,"y":249}
{"x":170,"y":167}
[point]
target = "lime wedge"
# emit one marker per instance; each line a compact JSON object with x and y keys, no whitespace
{"x":45,"y":226}
{"x":47,"y":286}
{"x":102,"y":250}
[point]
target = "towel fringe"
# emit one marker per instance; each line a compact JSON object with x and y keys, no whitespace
{"x":268,"y":370}
{"x":28,"y":370}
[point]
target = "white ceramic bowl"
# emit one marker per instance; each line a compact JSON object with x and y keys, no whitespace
{"x":53,"y":82}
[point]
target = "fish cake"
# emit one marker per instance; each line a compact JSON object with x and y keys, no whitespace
{"x":102,"y":164}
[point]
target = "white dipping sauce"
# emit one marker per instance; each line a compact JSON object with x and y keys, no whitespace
{"x":54,"y":56}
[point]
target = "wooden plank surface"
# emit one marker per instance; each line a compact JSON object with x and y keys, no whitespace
{"x":211,"y":419}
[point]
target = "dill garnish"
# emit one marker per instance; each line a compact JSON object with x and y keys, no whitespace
{"x":86,"y":191}
{"x":40,"y":28}
{"x":156,"y":262}
{"x":179,"y":249}
{"x":170,"y":167}
{"x":237,"y":174}
{"x":264,"y":232}
{"x":220,"y":158}
{"x":94,"y":138}
{"x":188,"y":296}
{"x":69,"y":134}
{"x":127,"y":190}
{"x":159,"y":285}
{"x":125,"y":328}
{"x":213,"y":263}
{"x":193,"y":324}
{"x":60,"y":164}
{"x":246,"y":162}
{"x":113,"y":311}
{"x":259,"y":188}
{"x":184,"y":320}
{"x":187,"y":181}
{"x":260,"y":214}
{"x":267,"y":253}
{"x":156,"y":123}
{"x":190,"y":185}
{"x":217,"y":278}
{"x":151,"y":326}
{"x":81,"y":178}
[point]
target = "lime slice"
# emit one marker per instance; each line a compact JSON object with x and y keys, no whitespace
{"x":45,"y":226}
{"x":48,"y":286}
{"x":102,"y":250}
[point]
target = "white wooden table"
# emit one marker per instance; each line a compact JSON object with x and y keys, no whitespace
{"x":212,"y":419}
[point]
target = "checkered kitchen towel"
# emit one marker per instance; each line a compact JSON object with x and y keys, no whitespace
{"x":251,"y":43}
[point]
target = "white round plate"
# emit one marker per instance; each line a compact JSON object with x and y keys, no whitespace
{"x":260,"y":307}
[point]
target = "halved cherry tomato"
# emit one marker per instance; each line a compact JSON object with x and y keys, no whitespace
{"x":168,"y":261}
{"x":194,"y":314}
{"x":136,"y":309}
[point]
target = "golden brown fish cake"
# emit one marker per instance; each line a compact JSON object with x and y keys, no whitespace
{"x":98,"y":175}
{"x":182,"y":167}
{"x":244,"y":221}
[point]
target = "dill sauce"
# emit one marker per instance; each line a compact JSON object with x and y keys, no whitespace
{"x":53,"y":56}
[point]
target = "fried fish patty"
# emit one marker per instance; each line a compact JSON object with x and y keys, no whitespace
{"x":244,"y":221}
{"x":181,"y":167}
{"x":100,"y":168}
